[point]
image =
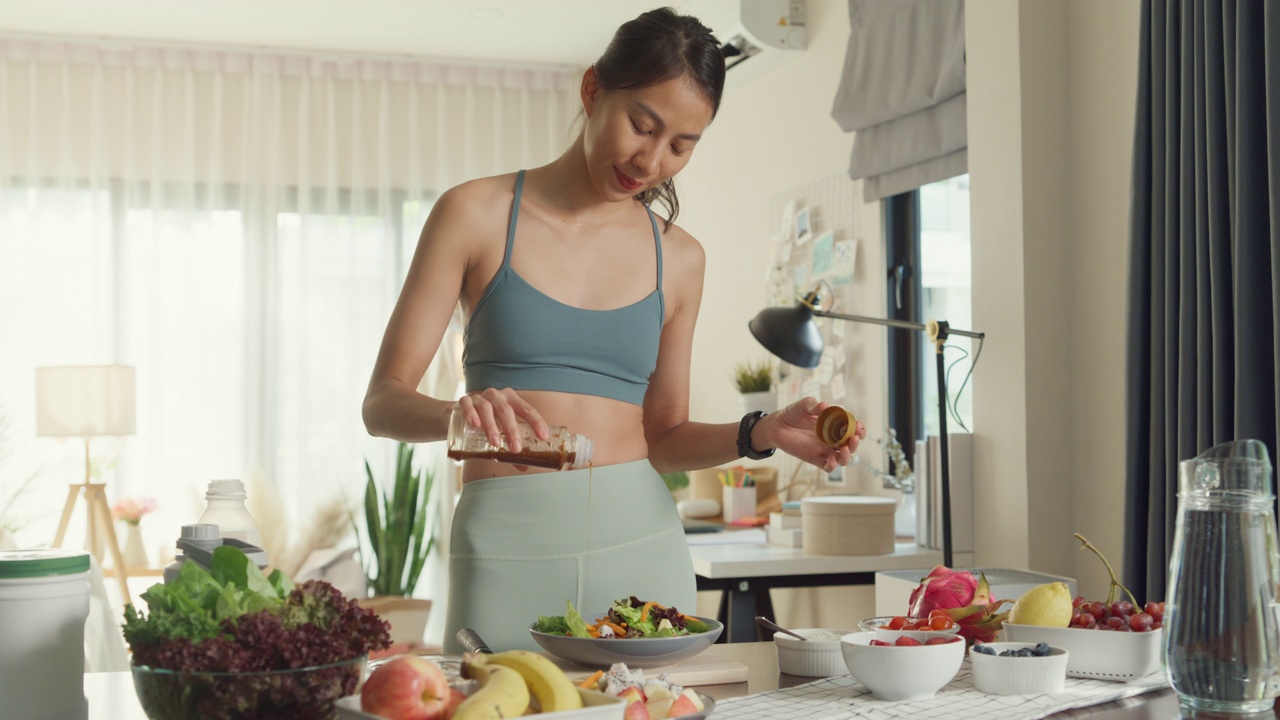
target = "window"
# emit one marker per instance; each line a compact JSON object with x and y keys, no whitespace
{"x":928,"y":265}
{"x":253,"y":323}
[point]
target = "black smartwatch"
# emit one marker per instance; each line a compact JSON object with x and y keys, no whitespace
{"x":744,"y":437}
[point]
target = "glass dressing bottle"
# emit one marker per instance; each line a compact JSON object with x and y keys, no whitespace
{"x":562,"y":450}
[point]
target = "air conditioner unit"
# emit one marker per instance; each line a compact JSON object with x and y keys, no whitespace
{"x":764,"y":26}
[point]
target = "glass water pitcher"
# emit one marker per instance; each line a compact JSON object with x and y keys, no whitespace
{"x":1222,"y":651}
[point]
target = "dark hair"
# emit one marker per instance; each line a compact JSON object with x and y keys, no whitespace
{"x":658,"y":46}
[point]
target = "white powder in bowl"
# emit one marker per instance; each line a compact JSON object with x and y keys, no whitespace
{"x":822,"y":635}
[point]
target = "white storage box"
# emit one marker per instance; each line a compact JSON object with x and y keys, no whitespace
{"x":848,"y":525}
{"x":893,"y":587}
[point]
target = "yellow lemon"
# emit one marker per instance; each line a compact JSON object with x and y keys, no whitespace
{"x":1047,"y":605}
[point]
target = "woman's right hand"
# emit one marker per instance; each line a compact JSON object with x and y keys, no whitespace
{"x":496,"y":412}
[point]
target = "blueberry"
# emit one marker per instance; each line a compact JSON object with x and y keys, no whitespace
{"x":1042,"y":649}
{"x":1009,"y":653}
{"x":983,"y":649}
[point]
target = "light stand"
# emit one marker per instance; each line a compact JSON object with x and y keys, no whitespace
{"x":88,"y":401}
{"x":791,"y":334}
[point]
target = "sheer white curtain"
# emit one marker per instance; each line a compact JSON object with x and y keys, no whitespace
{"x":236,"y":225}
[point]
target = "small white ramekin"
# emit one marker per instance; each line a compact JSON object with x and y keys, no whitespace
{"x":811,"y":658}
{"x":997,"y":675}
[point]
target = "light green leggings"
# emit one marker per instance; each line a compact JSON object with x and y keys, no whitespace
{"x":522,"y":546}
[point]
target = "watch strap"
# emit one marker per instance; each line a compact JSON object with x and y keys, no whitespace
{"x":744,"y":437}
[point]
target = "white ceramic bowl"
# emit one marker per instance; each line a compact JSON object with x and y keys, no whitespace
{"x":997,"y":675}
{"x":1097,"y":654}
{"x":812,"y":657}
{"x":880,"y":626}
{"x":891,"y":672}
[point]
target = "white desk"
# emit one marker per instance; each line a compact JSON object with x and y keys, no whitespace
{"x":746,"y":572}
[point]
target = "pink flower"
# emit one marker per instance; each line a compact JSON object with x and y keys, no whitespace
{"x":131,"y":510}
{"x":966,"y":598}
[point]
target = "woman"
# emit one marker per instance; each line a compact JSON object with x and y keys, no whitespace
{"x":580,"y":306}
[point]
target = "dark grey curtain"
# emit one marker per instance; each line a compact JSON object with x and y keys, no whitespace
{"x":1204,"y":293}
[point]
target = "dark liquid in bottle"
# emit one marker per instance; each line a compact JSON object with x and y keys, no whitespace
{"x":544,"y":459}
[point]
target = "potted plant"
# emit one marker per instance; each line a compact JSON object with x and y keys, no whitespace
{"x":754,"y":381}
{"x":400,"y":534}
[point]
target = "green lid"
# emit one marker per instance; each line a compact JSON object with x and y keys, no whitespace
{"x":16,"y":564}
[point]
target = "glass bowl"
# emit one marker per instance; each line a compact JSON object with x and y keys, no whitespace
{"x":880,"y":626}
{"x":299,"y":694}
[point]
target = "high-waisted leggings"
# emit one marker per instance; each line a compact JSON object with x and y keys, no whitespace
{"x":523,"y":546}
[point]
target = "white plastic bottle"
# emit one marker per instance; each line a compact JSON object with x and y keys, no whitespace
{"x":226,"y":510}
{"x":562,"y":450}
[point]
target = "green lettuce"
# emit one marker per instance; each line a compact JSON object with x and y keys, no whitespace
{"x":577,"y":626}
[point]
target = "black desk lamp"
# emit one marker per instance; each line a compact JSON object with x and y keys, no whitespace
{"x":791,"y":334}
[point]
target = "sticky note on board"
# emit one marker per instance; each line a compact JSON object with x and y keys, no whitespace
{"x":823,"y":261}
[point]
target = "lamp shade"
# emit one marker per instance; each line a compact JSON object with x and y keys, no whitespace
{"x":84,"y":400}
{"x":790,"y":333}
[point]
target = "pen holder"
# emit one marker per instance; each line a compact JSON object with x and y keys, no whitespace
{"x":739,"y":502}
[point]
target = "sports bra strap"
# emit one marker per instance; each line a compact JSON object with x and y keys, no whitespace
{"x":657,"y":248}
{"x":511,"y":227}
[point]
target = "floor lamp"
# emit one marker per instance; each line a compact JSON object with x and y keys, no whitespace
{"x":88,"y":401}
{"x":791,"y":334}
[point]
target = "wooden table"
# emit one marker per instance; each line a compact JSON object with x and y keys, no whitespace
{"x":745,"y":572}
{"x":111,"y":695}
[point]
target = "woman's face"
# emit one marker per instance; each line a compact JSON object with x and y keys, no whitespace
{"x":638,"y":138}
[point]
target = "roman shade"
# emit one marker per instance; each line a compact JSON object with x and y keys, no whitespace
{"x":902,"y":92}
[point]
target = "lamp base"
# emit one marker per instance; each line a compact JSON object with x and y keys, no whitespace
{"x":100,"y":528}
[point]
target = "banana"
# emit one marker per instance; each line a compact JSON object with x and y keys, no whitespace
{"x":502,"y":694}
{"x":548,"y":683}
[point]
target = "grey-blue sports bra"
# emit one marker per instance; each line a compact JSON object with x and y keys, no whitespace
{"x":520,"y":338}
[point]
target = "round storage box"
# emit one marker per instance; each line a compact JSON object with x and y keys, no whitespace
{"x":44,"y":602}
{"x":848,"y":524}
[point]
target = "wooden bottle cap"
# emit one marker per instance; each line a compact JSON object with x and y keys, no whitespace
{"x":835,"y":426}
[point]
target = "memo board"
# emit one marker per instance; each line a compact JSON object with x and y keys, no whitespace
{"x":815,"y":239}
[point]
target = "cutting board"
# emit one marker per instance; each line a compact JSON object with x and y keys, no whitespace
{"x":697,"y":670}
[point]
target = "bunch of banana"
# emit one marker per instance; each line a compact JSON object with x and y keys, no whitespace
{"x":502,"y":694}
{"x":537,"y":675}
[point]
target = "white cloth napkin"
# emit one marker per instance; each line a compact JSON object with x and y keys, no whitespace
{"x":844,"y":698}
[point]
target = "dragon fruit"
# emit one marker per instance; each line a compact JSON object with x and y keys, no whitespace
{"x":966,"y":598}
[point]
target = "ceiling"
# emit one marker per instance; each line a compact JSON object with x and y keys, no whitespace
{"x":560,"y":32}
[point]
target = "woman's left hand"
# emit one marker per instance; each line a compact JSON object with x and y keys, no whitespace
{"x":792,"y":430}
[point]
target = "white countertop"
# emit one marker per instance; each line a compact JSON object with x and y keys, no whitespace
{"x":735,"y":560}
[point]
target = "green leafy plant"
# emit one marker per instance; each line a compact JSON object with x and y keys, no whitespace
{"x":398,"y":525}
{"x":752,"y":377}
{"x":676,"y":480}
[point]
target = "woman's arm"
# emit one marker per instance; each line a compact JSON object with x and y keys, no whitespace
{"x":676,"y":443}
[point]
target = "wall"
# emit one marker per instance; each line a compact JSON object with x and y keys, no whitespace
{"x":1051,"y":93}
{"x":1051,"y":86}
{"x":774,"y":133}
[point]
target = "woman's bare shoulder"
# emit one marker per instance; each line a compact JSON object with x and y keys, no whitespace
{"x":477,"y":200}
{"x":682,"y":253}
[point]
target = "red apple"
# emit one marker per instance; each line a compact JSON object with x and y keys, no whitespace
{"x":682,"y":706}
{"x":406,"y":688}
{"x":686,"y":703}
{"x":636,"y":711}
{"x":660,"y":708}
{"x":633,"y":695}
{"x":451,"y":704}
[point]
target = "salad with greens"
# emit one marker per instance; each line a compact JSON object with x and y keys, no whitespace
{"x":232,"y":618}
{"x":628,"y":618}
